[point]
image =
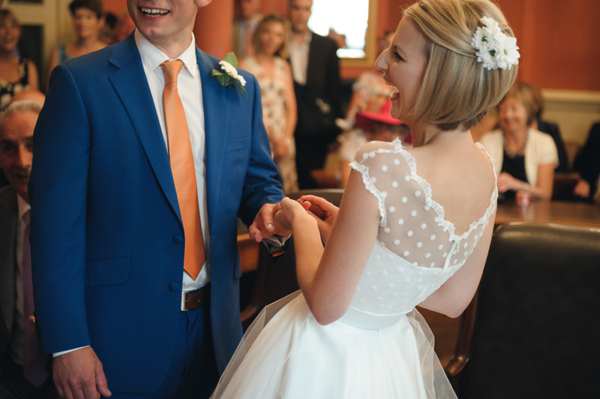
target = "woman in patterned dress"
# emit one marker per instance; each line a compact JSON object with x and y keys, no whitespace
{"x":88,"y":21}
{"x":16,"y":73}
{"x":279,"y":103}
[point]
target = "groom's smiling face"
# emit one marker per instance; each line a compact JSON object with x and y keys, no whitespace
{"x":165,"y":22}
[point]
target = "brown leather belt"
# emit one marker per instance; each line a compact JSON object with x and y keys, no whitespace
{"x":196,"y":299}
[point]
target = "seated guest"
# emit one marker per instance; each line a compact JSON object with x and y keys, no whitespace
{"x":23,"y":371}
{"x":274,"y":76}
{"x":525,"y":158}
{"x":88,"y":21}
{"x":547,"y":127}
{"x":371,"y":126}
{"x":16,"y":73}
{"x":244,"y":26}
{"x":587,"y":164}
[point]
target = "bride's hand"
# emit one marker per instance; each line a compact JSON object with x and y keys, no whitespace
{"x":289,"y":210}
{"x":324,"y":211}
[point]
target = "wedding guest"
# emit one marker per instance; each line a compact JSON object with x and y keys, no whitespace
{"x":16,"y":73}
{"x":244,"y":26}
{"x":23,"y":370}
{"x":88,"y":21}
{"x":269,"y":65}
{"x":587,"y":164}
{"x":371,"y":126}
{"x":318,"y":89}
{"x":525,"y":157}
{"x":547,"y":127}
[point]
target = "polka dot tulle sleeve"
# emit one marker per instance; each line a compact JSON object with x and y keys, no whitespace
{"x":412,"y":224}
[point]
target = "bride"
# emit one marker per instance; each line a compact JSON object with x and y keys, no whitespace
{"x":413,"y":228}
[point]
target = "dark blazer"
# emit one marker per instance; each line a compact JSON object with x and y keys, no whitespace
{"x":106,"y":231}
{"x":9,"y":217}
{"x":322,"y":82}
{"x":319,"y":103}
{"x":553,"y":130}
{"x":587,"y":162}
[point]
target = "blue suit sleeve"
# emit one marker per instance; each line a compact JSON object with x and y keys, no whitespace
{"x":58,"y":191}
{"x":261,"y":183}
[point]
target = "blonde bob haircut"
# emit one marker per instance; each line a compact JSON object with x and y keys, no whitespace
{"x":282,"y":51}
{"x":457,"y":91}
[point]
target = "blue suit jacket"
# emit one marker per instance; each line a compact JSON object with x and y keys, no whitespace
{"x":106,"y":227}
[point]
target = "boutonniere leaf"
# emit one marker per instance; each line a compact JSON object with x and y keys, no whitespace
{"x":229,"y":74}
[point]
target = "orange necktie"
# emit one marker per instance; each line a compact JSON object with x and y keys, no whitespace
{"x":182,"y":168}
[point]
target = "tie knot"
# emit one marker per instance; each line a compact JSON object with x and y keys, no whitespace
{"x":172,"y":69}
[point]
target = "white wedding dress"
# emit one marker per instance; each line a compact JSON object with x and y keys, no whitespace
{"x":381,"y":348}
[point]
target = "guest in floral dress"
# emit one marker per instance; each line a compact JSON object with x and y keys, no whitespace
{"x":279,"y":103}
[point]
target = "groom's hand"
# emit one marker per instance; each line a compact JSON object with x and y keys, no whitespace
{"x":265,"y":225}
{"x":79,"y":375}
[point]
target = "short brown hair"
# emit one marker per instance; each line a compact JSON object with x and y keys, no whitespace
{"x":6,"y":14}
{"x":94,"y":5}
{"x":457,"y":90}
{"x":283,"y":51}
{"x":523,"y":93}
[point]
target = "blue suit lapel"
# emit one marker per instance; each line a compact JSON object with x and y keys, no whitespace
{"x":129,"y":81}
{"x":216,"y":101}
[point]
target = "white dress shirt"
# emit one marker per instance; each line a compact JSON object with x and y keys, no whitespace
{"x":189,"y":88}
{"x":299,"y":57}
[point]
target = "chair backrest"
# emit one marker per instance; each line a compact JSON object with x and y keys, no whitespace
{"x":538,"y":314}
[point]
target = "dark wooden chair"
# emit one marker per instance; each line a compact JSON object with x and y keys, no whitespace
{"x":276,"y":277}
{"x":532,"y":330}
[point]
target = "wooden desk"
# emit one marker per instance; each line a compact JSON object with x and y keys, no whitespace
{"x":574,"y":213}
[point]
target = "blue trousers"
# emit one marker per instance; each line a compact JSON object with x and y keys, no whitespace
{"x":193,"y":372}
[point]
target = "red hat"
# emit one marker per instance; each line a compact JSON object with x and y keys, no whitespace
{"x":365,"y":119}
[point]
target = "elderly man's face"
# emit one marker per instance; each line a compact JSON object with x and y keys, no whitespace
{"x":16,"y":149}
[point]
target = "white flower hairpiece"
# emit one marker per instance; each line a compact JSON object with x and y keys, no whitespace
{"x":494,"y":48}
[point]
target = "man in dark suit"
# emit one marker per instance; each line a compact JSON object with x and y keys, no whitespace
{"x":113,"y":232}
{"x":23,"y":371}
{"x":316,"y":72}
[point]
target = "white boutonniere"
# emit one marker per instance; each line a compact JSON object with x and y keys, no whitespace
{"x":229,"y":74}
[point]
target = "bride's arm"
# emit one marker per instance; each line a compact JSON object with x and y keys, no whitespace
{"x":328,"y":277}
{"x":453,"y":297}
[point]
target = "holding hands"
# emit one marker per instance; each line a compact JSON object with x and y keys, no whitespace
{"x":278,"y":218}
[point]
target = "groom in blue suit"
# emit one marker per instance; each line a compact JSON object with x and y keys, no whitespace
{"x":113,"y":303}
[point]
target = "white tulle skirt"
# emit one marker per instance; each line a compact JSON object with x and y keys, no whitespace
{"x":287,"y":354}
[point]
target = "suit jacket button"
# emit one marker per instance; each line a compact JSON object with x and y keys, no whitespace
{"x":177,"y":239}
{"x":174,"y":287}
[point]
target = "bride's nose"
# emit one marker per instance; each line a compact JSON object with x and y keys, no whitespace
{"x":381,"y":62}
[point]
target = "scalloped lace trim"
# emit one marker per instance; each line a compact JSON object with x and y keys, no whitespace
{"x":439,"y":209}
{"x":369,"y":184}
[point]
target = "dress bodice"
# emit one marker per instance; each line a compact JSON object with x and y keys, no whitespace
{"x":417,"y":249}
